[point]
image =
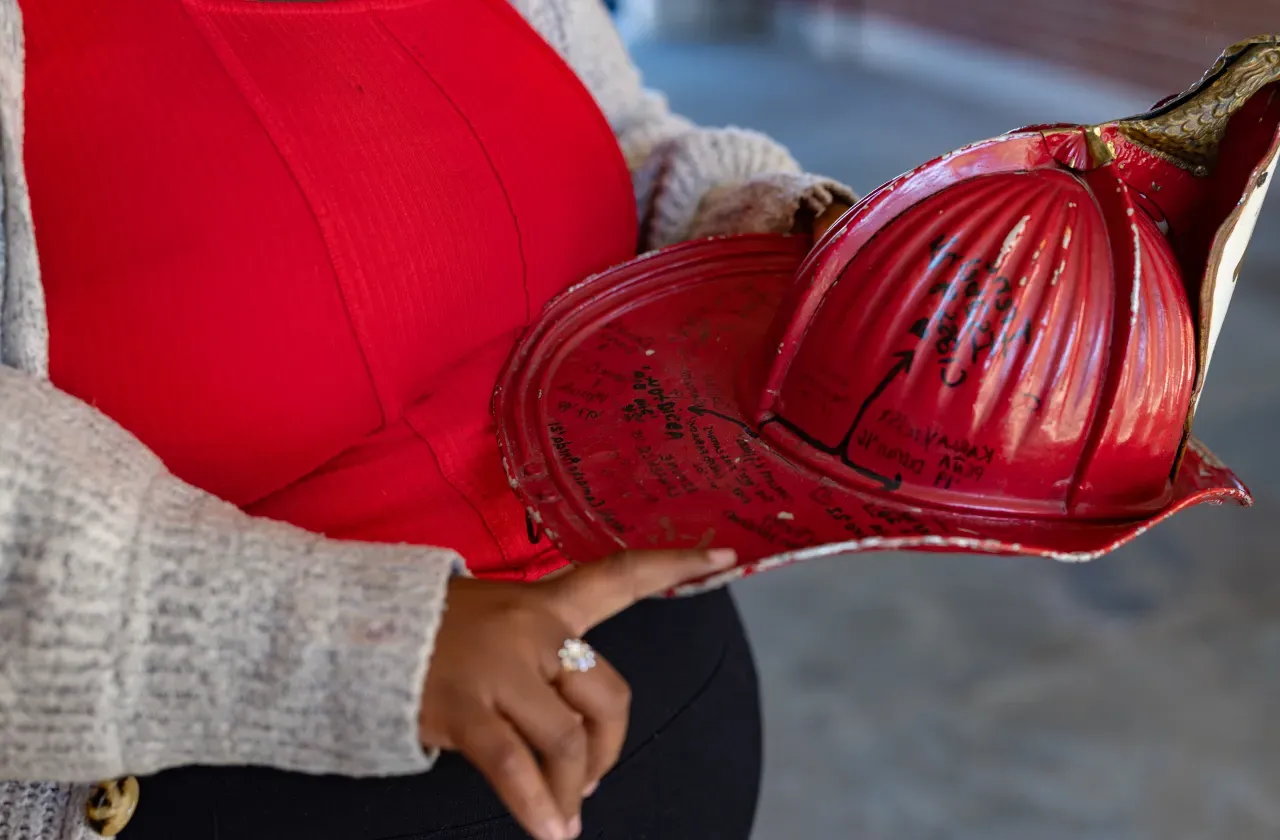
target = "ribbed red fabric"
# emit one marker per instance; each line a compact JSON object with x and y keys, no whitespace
{"x":289,"y":245}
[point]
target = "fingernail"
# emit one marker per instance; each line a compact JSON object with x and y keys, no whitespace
{"x":556,"y":830}
{"x":722,"y":558}
{"x":575,"y":828}
{"x":591,"y":788}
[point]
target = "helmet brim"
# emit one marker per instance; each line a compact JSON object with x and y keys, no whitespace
{"x":625,"y":422}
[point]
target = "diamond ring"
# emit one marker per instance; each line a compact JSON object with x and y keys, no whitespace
{"x":577,"y":656}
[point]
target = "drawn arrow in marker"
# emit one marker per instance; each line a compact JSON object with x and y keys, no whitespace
{"x":841,"y":452}
{"x":700,"y":411}
{"x":906,"y":358}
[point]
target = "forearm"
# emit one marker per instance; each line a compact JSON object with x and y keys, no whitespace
{"x":147,"y":625}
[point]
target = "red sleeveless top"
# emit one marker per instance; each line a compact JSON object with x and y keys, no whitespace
{"x":289,"y":245}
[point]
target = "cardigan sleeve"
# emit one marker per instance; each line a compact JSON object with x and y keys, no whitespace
{"x":690,"y":181}
{"x":145,"y":624}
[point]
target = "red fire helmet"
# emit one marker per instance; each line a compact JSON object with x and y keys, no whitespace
{"x":1000,"y":351}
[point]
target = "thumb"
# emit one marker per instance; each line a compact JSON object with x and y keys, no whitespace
{"x":593,"y":593}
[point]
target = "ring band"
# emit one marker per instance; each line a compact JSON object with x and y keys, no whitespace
{"x":577,"y":656}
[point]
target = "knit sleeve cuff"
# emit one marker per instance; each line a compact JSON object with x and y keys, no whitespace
{"x":708,"y":182}
{"x":291,"y":651}
{"x":768,"y":204}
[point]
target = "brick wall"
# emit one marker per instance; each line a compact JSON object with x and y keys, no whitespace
{"x":1158,"y":44}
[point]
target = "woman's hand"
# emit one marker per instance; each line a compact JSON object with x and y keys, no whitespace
{"x":497,"y":692}
{"x":827,"y":218}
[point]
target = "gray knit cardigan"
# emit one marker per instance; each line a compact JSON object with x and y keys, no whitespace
{"x":145,"y":624}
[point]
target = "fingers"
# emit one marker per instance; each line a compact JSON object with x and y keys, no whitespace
{"x":828,"y":218}
{"x":559,"y":735}
{"x":575,"y":723}
{"x":497,"y":750}
{"x":603,"y":698}
{"x":591,"y":594}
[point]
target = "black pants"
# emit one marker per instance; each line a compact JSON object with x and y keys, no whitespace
{"x":690,"y":769}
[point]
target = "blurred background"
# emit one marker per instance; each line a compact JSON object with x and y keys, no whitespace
{"x":915,"y":697}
